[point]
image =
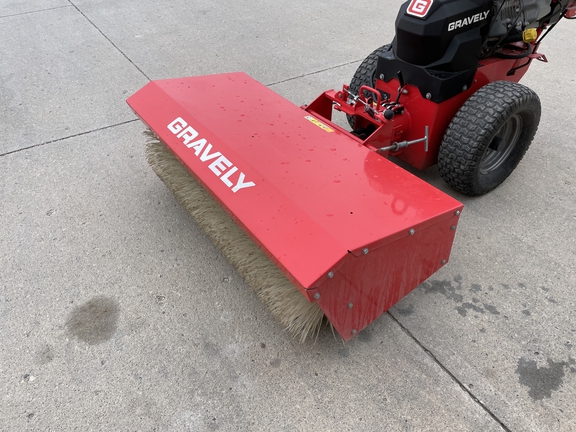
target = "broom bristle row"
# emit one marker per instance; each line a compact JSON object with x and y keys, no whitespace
{"x":299,"y":316}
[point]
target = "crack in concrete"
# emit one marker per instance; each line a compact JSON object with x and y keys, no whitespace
{"x":312,"y":73}
{"x":109,"y":40}
{"x":450,"y":374}
{"x":68,"y":137}
{"x":33,"y":11}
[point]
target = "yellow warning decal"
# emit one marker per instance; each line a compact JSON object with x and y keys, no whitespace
{"x":319,"y":124}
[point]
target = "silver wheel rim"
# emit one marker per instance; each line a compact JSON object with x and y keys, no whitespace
{"x":509,"y":134}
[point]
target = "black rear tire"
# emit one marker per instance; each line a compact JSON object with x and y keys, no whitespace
{"x":365,"y":74}
{"x":488,"y":137}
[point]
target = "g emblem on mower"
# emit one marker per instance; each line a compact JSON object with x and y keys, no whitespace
{"x":419,"y":8}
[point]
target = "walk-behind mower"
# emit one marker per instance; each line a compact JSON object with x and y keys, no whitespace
{"x":350,"y":231}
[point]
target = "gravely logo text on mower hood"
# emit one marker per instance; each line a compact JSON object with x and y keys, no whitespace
{"x":468,"y":20}
{"x":221,"y":166}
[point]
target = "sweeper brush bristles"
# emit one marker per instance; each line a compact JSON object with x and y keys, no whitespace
{"x":286,"y":303}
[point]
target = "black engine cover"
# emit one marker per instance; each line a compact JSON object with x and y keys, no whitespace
{"x":431,"y":41}
{"x":439,"y":50}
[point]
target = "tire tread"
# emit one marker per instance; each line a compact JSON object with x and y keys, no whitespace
{"x":474,"y":126}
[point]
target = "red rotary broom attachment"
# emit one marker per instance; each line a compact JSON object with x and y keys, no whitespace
{"x":351,"y":231}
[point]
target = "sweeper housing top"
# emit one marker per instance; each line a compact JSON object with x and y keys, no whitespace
{"x":352,"y":231}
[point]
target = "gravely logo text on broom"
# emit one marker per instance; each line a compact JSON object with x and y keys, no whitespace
{"x":221,"y":166}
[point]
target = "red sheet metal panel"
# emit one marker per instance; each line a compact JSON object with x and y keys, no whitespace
{"x":366,"y":287}
{"x":311,"y":196}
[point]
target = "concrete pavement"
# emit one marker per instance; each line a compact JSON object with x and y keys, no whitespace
{"x":117,"y":313}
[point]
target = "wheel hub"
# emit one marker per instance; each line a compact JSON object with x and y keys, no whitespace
{"x":501,"y":145}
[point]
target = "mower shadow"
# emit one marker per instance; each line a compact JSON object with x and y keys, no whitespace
{"x":432,"y":176}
